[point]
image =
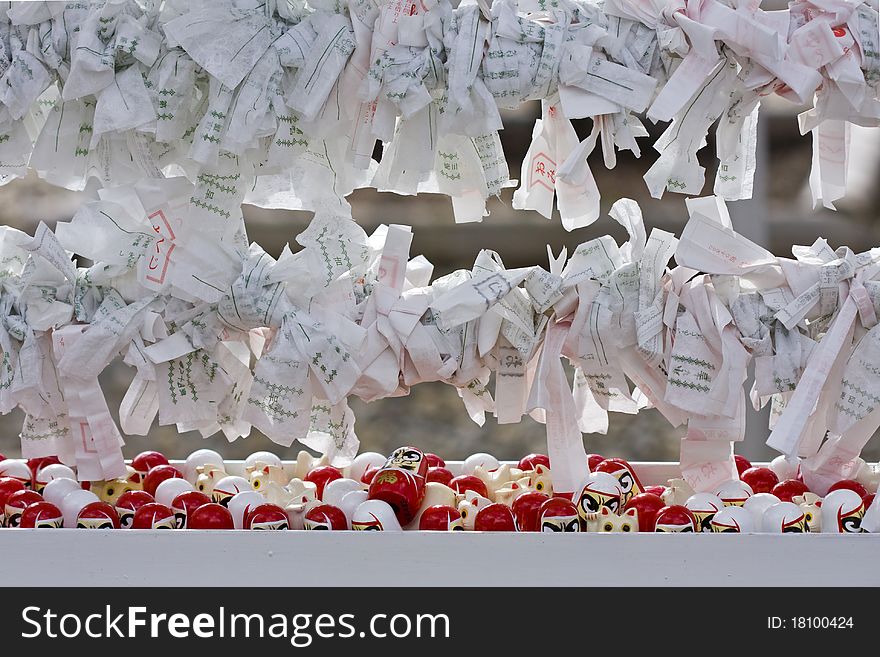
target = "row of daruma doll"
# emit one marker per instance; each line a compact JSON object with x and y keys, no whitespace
{"x":414,"y":490}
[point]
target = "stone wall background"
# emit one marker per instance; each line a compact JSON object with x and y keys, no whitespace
{"x":433,"y":416}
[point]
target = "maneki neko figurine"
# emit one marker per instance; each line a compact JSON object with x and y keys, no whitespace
{"x":295,"y":498}
{"x":497,"y":479}
{"x":201,"y":458}
{"x":207,"y":476}
{"x":512,"y":490}
{"x":400,"y":483}
{"x":470,"y":506}
{"x":540,"y":481}
{"x":605,"y":521}
{"x":809,"y":504}
{"x":842,"y":511}
{"x":262,"y":473}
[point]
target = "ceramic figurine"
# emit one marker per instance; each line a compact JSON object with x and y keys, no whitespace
{"x":351,"y":501}
{"x":494,"y":517}
{"x":676,"y":518}
{"x":97,"y":515}
{"x":130,"y":502}
{"x":848,"y":484}
{"x":606,"y":522}
{"x":842,"y":511}
{"x":16,"y":503}
{"x":200,"y":459}
{"x":646,"y":505}
{"x":321,"y":476}
{"x":435,"y":495}
{"x":257,"y":460}
{"x":677,"y":492}
{"x":785,"y":517}
{"x":528,"y":463}
{"x":734,"y":492}
{"x":295,"y":498}
{"x":109,"y":491}
{"x":626,"y":477}
{"x":73,"y":503}
{"x":539,"y":480}
{"x":527,"y":510}
{"x":558,"y":514}
{"x":154,"y":516}
{"x":208,"y":475}
{"x":758,"y":503}
{"x":783,"y":468}
{"x":226,"y":488}
{"x":469,"y":507}
{"x":241,"y":504}
{"x":185,"y":503}
{"x":146,"y":461}
{"x":363,"y":462}
{"x":157,"y":475}
{"x":759,"y":479}
{"x":704,"y":506}
{"x":439,"y":475}
{"x":339,"y":488}
{"x":786,"y":489}
{"x":267,"y":517}
{"x":326,"y":517}
{"x":497,"y":478}
{"x":733,"y":519}
{"x":263,"y":473}
{"x":508,"y":493}
{"x":809,"y":504}
{"x":597,"y":490}
{"x":375,"y":515}
{"x":52,"y":471}
{"x":41,"y":515}
{"x":305,"y":463}
{"x":17,"y":469}
{"x":463,"y":483}
{"x":401,"y":483}
{"x":487,"y":461}
{"x":210,"y":516}
{"x":171,"y":488}
{"x":8,"y":486}
{"x":440,"y":518}
{"x":54,"y":492}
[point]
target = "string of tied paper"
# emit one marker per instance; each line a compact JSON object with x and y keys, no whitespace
{"x":280,"y":103}
{"x":281,"y":344}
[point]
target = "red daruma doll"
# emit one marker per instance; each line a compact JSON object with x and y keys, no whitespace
{"x":400,"y":483}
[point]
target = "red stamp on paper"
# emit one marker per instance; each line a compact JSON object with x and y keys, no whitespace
{"x":157,"y":265}
{"x":543,"y":171}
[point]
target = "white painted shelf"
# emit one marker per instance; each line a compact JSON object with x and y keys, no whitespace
{"x":138,"y":558}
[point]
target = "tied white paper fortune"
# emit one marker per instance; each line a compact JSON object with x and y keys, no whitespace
{"x":280,"y":105}
{"x":280,"y":344}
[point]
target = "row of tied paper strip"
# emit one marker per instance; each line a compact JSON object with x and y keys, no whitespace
{"x":231,"y":338}
{"x":280,"y":105}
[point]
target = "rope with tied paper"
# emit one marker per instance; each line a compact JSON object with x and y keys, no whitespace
{"x":281,"y":344}
{"x":280,"y":103}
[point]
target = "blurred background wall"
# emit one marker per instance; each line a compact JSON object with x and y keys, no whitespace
{"x":433,"y":416}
